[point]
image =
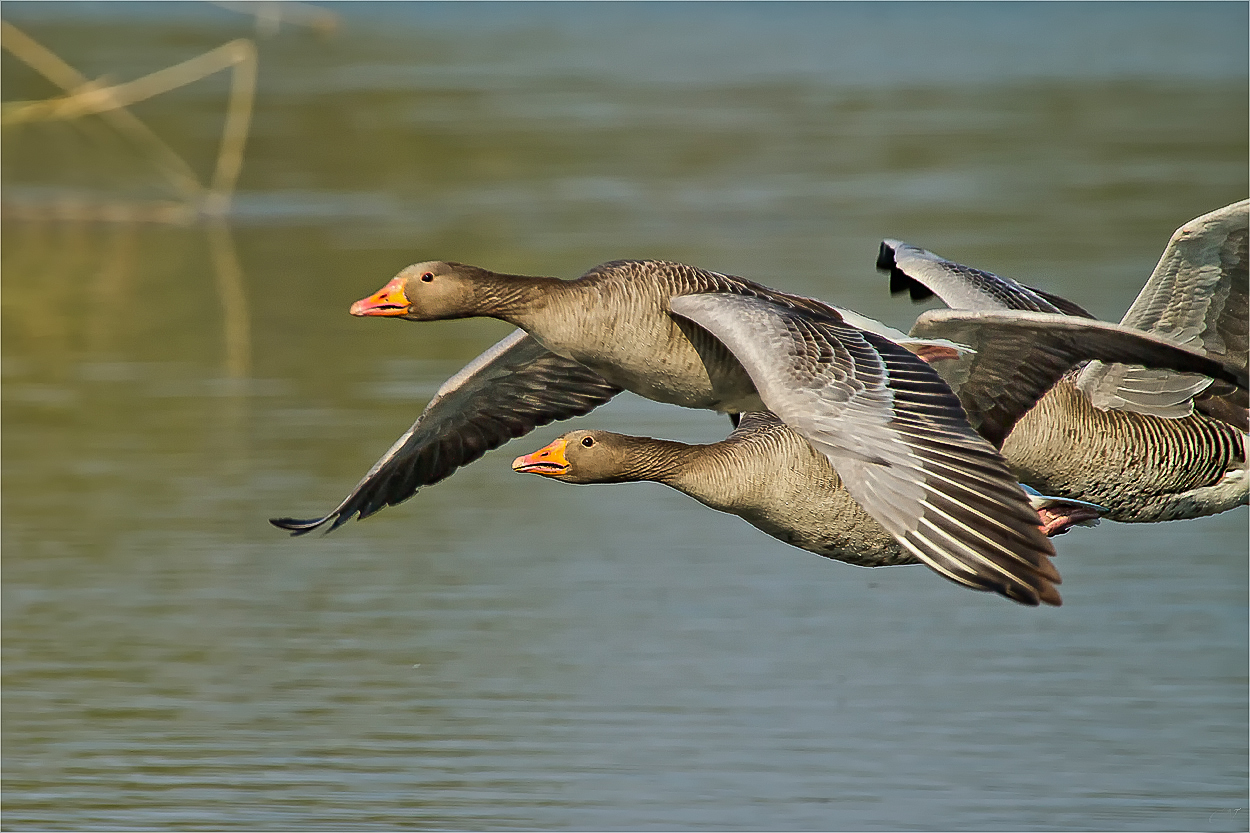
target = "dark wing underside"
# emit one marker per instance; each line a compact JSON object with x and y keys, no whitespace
{"x":511,"y":389}
{"x":1021,"y":355}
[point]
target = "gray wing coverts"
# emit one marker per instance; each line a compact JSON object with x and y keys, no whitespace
{"x":897,"y":437}
{"x":512,"y":388}
{"x":1196,"y":296}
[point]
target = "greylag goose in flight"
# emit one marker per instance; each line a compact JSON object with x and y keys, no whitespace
{"x":1146,"y":444}
{"x":766,"y":474}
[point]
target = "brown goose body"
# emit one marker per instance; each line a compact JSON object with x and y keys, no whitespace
{"x":763,"y":472}
{"x":1141,"y":468}
{"x":776,"y":481}
{"x":616,"y":320}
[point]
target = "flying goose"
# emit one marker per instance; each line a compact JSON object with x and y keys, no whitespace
{"x":888,"y":424}
{"x":766,"y":474}
{"x":1148,"y":445}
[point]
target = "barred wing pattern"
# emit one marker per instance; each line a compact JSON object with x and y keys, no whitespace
{"x":509,"y":390}
{"x":897,"y":437}
{"x":1020,"y":355}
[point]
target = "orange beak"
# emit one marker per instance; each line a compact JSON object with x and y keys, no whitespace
{"x":548,"y":460}
{"x":389,"y":300}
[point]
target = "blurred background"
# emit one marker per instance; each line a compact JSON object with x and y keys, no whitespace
{"x":194,"y":193}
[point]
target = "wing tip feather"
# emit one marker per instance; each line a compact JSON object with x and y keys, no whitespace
{"x":1033,"y":587}
{"x":298,"y":526}
{"x":900,"y":281}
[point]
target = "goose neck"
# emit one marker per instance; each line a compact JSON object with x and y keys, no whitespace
{"x":518,"y":298}
{"x":661,"y":461}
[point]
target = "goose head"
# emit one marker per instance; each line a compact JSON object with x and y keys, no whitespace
{"x":432,"y":291}
{"x":589,"y":457}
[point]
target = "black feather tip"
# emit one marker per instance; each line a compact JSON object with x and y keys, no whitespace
{"x":899,"y":281}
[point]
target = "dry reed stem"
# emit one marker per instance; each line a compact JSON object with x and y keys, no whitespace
{"x":233,"y":298}
{"x":90,"y":98}
{"x":213,"y":202}
{"x":50,"y":66}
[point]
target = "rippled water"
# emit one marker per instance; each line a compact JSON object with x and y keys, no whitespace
{"x":507,"y":652}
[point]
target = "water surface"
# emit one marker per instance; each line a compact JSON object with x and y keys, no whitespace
{"x":505,"y":652}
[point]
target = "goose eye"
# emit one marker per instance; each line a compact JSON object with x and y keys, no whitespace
{"x":588,"y":441}
{"x":427,"y":277}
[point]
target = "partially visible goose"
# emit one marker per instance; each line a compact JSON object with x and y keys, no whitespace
{"x":767,"y":474}
{"x":888,"y":424}
{"x":764,"y":473}
{"x":1149,"y":445}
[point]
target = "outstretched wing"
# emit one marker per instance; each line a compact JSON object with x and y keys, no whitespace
{"x":1020,"y":355}
{"x":511,"y":389}
{"x":897,"y":437}
{"x":1197,"y":296}
{"x":923,"y":274}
